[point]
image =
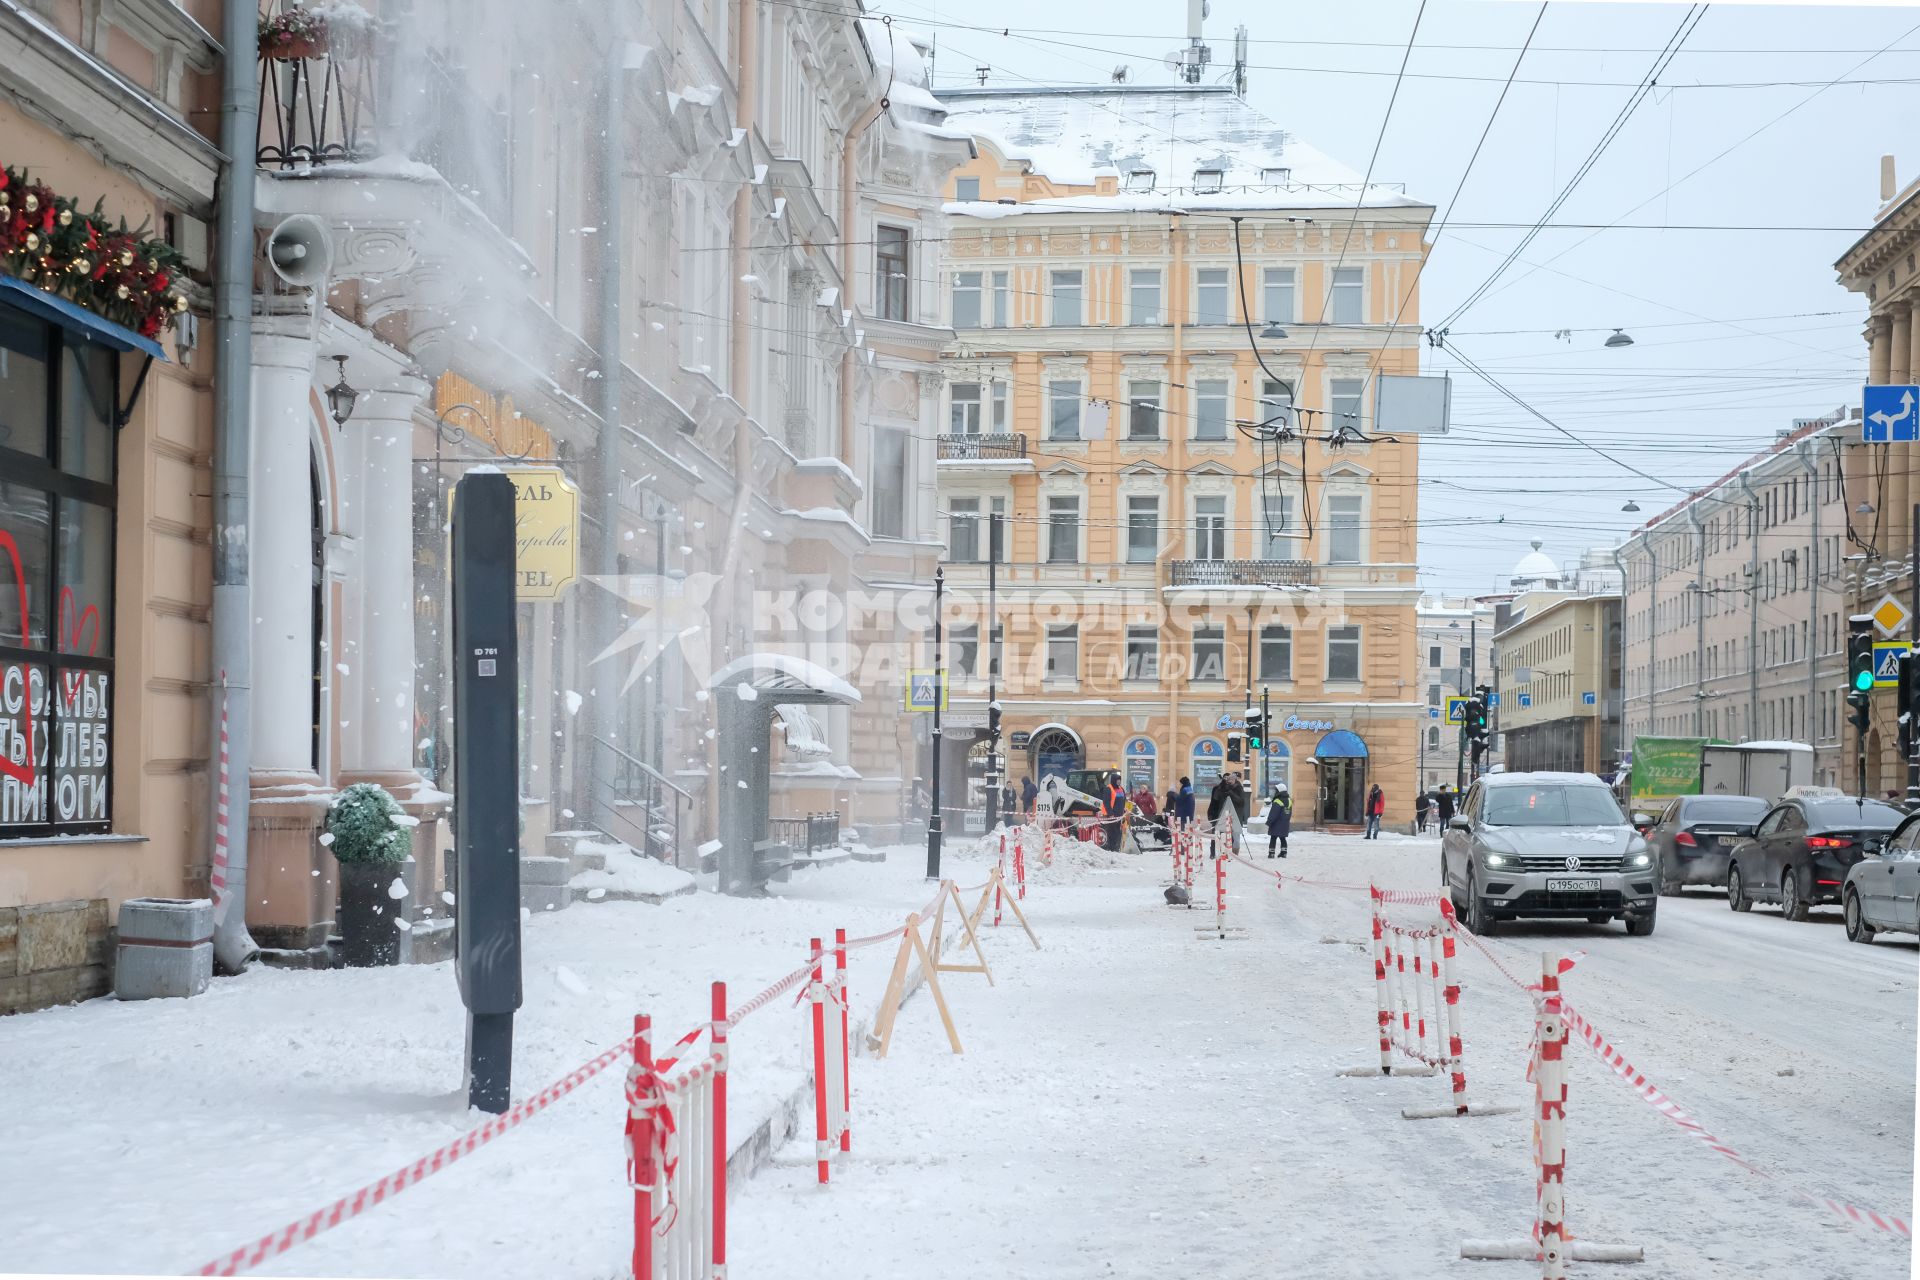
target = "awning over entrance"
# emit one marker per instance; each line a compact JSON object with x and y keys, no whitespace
{"x":75,"y":318}
{"x":1341,"y":744}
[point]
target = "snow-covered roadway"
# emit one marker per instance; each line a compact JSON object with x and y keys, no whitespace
{"x":1139,"y":1101}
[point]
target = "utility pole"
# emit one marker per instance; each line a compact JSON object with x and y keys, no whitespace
{"x":994,"y":776}
{"x":1473,"y":676}
{"x":939,"y":696}
{"x":1906,"y":709}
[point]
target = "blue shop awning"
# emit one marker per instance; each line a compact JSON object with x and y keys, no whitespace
{"x":75,"y":318}
{"x":1341,"y":744}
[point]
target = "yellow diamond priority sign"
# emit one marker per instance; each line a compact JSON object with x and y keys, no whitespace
{"x":1890,"y":616}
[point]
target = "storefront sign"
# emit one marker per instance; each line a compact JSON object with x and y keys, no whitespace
{"x":53,"y":749}
{"x":546,"y":513}
{"x":23,"y":744}
{"x":1307,"y":726}
{"x":1208,"y":757}
{"x":1140,"y":755}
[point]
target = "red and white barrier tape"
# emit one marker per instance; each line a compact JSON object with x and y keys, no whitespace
{"x":1660,"y":1101}
{"x":347,"y":1207}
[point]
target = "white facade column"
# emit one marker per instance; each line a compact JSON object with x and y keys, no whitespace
{"x":280,"y":535}
{"x":383,"y":523}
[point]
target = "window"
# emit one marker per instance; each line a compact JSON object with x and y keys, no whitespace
{"x":57,"y":400}
{"x":1274,"y":397}
{"x":1433,"y":738}
{"x":1210,"y":296}
{"x":1143,"y":298}
{"x":1143,"y":653}
{"x":1433,"y":656}
{"x":889,"y":483}
{"x":1466,"y":658}
{"x":1066,"y":297}
{"x":966,"y":188}
{"x":998,"y":293}
{"x":1210,"y":653}
{"x":1344,"y":535}
{"x":1210,"y":399}
{"x":1344,"y":397}
{"x":1349,"y":295}
{"x":963,"y":530}
{"x":1433,"y":695}
{"x":1276,"y":653}
{"x":963,"y":652}
{"x":1063,"y":528}
{"x":1063,"y":652}
{"x":1143,"y":413}
{"x":1210,"y":528}
{"x":966,"y":299}
{"x":1343,"y":654}
{"x":964,"y":416}
{"x":1276,"y":289}
{"x":1276,"y":526}
{"x":1063,"y":409}
{"x":892,"y":272}
{"x":1143,"y":529}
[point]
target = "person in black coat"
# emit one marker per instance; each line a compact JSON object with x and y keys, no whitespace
{"x":1443,"y":801}
{"x":1182,"y":803}
{"x":1279,"y":820}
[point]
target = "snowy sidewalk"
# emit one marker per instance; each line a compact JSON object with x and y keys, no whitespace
{"x":1136,"y":1100}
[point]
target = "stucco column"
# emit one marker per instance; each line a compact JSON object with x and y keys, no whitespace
{"x":1879,"y":348}
{"x":289,"y":907}
{"x":1897,"y":521}
{"x":1900,"y":344}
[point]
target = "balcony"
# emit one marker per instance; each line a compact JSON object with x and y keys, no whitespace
{"x":1239,"y":573}
{"x":999,"y":450}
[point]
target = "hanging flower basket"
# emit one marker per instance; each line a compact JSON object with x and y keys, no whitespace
{"x":293,"y":35}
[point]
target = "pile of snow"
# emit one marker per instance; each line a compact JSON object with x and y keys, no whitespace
{"x":1072,"y":862}
{"x":628,"y":873}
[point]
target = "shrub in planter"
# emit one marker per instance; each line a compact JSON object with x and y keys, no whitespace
{"x":292,"y":35}
{"x":371,"y":838}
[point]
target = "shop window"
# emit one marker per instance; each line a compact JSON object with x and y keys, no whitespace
{"x":56,"y":580}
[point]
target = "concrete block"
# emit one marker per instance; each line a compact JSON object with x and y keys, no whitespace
{"x":165,"y":948}
{"x":539,"y":898}
{"x":560,"y":844}
{"x":585,"y":859}
{"x":544,"y":871}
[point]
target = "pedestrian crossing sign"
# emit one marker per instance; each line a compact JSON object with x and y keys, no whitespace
{"x":926,"y":690}
{"x":1886,"y":662}
{"x":1456,"y":710}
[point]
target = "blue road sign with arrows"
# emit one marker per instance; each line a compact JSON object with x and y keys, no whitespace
{"x":1889,"y":413}
{"x":1526,"y":699}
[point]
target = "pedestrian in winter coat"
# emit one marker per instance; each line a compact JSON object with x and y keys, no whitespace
{"x":1376,"y":807}
{"x":1279,"y":821}
{"x":1006,"y":801}
{"x":1443,"y":801}
{"x":1029,"y":793}
{"x":1218,"y":799}
{"x":1143,"y":801}
{"x":1182,"y":803}
{"x":1240,"y":798}
{"x":1422,"y":807}
{"x":1115,"y":806}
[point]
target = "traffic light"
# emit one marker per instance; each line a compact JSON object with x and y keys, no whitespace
{"x":1233,"y":749}
{"x":1256,"y":730}
{"x":1860,"y":672}
{"x":1476,"y":713}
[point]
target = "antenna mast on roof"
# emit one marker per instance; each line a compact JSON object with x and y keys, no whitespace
{"x":1240,"y":61}
{"x":1195,"y":57}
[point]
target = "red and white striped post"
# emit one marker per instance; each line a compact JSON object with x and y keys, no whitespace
{"x":1001,"y":867}
{"x":720,"y":1028}
{"x":1382,"y":955}
{"x":218,"y":876}
{"x":642,"y":1090}
{"x":817,"y":992}
{"x":1450,"y":991}
{"x":1020,"y":868}
{"x":846,"y":1075}
{"x":1551,"y":1089}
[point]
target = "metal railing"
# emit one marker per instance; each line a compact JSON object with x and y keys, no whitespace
{"x":315,"y":110}
{"x":1238,"y":573}
{"x":632,"y":799}
{"x":815,"y":831}
{"x":998,"y":446}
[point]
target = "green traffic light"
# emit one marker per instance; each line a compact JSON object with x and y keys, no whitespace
{"x":1863,"y":681}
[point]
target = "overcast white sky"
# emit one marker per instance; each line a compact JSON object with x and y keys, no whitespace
{"x":1689,"y":399}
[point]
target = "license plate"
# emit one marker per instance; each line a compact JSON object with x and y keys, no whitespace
{"x":1567,"y":884}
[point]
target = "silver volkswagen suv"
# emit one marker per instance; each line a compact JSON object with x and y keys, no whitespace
{"x":1549,"y":845}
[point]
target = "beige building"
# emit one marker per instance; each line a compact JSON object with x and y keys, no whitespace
{"x":1737,"y":599}
{"x":1880,"y":478}
{"x":1163,"y":568}
{"x":1455,"y":653}
{"x":104,"y":522}
{"x":1559,"y":682}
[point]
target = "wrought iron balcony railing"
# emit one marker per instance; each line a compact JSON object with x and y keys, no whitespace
{"x":1239,"y":573}
{"x":999,"y":446}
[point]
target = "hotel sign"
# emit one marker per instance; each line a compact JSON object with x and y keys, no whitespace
{"x":546,"y":515}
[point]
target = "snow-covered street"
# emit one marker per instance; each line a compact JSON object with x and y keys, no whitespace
{"x":1135,"y":1099}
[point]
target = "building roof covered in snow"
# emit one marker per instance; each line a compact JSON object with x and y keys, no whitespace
{"x":1202,"y":142}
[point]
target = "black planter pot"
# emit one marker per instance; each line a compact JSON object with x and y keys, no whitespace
{"x":368,"y":933}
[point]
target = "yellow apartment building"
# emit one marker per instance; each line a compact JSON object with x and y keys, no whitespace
{"x":1114,"y":257}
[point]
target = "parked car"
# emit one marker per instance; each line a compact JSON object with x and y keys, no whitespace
{"x":1546,"y":845}
{"x":1800,"y":852}
{"x":1693,"y":835}
{"x":1882,"y":891}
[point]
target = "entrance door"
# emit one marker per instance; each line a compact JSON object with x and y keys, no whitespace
{"x":1343,"y":782}
{"x":1056,"y":753}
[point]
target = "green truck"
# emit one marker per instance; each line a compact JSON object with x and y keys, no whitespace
{"x":1664,"y":768}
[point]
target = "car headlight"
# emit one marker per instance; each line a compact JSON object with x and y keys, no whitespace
{"x":1640,"y":859}
{"x":1496,"y":860}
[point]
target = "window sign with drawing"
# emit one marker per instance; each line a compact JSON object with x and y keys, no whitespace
{"x":56,"y":580}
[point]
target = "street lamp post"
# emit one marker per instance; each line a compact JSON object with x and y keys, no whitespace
{"x":994,"y":777}
{"x":939,"y":696}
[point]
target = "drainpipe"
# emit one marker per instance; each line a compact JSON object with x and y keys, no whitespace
{"x":1753,"y":607}
{"x":1699,"y":620}
{"x":232,"y":617}
{"x":747,"y":108}
{"x":1626,"y":622}
{"x":848,"y":208}
{"x":1809,"y":459}
{"x":1173,"y":517}
{"x":604,"y":620}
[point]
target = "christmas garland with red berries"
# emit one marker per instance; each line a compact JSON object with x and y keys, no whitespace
{"x":111,"y":271}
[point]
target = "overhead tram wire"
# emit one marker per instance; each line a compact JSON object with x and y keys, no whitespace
{"x":1692,"y":19}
